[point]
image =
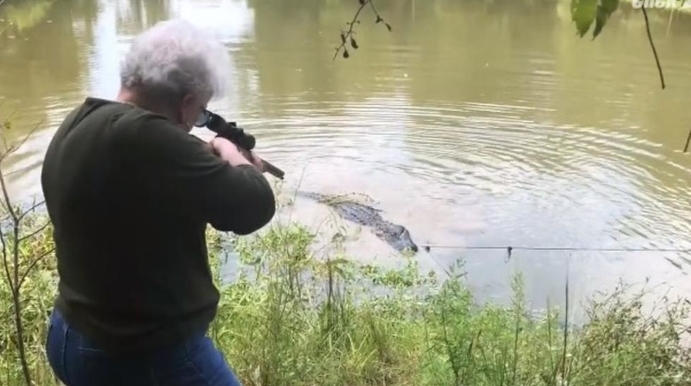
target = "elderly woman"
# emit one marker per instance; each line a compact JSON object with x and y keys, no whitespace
{"x":130,"y":193}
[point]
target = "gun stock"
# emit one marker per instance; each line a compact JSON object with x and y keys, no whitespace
{"x":237,"y":135}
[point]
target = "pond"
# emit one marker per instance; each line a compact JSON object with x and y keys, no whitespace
{"x":472,"y":123}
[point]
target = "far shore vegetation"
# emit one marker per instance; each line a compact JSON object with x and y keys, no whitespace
{"x":294,"y":315}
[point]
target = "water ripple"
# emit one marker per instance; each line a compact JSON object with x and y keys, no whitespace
{"x":581,"y":175}
{"x":497,"y":140}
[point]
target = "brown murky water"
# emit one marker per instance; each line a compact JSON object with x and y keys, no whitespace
{"x":473,"y":123}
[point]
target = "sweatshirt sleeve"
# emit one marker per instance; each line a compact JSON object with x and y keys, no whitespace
{"x":236,"y":199}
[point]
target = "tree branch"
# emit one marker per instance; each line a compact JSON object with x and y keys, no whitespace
{"x":31,"y":209}
{"x":348,"y":35}
{"x":652,"y":45}
{"x":32,"y":265}
{"x":35,"y":232}
{"x":12,"y":149}
{"x":14,"y":278}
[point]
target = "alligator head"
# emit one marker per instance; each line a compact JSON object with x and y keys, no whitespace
{"x":397,"y":236}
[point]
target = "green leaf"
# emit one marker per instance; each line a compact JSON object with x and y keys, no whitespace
{"x":604,"y":11}
{"x":583,"y":13}
{"x":609,"y":5}
{"x":600,"y":20}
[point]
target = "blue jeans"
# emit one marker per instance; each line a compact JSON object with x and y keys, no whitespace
{"x":77,"y":361}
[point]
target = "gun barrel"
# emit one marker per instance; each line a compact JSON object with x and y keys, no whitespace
{"x":273,"y":170}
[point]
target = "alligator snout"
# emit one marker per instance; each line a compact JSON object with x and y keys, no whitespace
{"x":409,"y":246}
{"x":399,"y":237}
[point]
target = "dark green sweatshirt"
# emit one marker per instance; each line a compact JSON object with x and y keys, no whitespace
{"x":130,"y":195}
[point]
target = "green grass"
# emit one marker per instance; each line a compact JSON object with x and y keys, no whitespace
{"x":291,"y":317}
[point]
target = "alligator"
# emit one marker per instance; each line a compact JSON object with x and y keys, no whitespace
{"x":397,"y":236}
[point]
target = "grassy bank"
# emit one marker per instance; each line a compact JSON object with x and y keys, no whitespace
{"x":289,"y":318}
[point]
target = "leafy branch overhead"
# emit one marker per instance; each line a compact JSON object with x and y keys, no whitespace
{"x":585,"y":12}
{"x":347,"y":36}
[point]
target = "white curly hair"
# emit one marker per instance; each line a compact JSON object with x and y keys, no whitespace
{"x":174,"y":58}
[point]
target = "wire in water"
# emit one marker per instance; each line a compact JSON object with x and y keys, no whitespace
{"x":510,"y":249}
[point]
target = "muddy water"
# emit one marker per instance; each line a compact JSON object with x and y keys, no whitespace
{"x":471,"y":123}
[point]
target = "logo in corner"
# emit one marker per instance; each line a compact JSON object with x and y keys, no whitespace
{"x":661,"y":4}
